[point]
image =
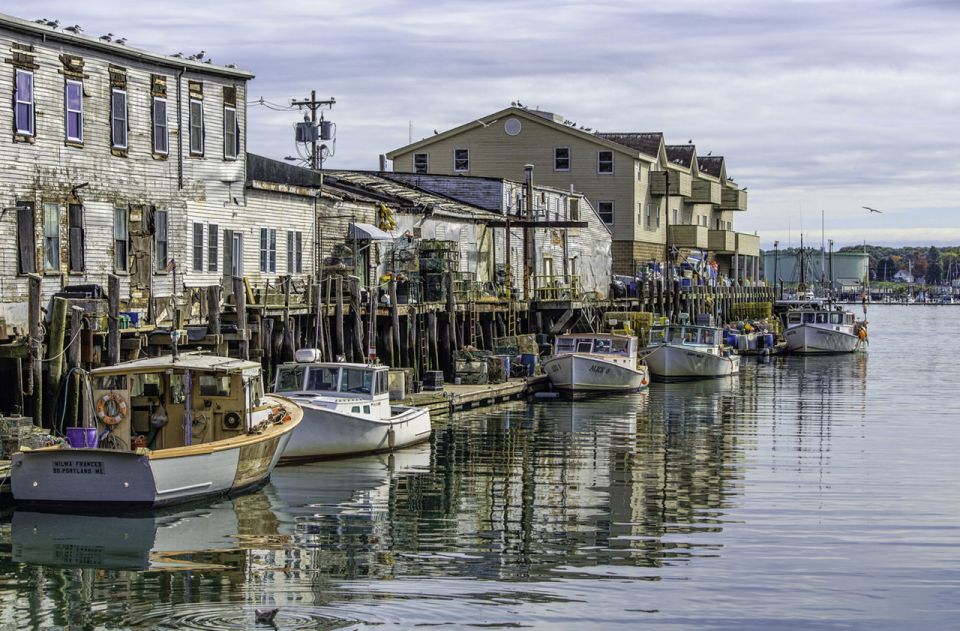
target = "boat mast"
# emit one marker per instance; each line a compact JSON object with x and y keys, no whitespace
{"x":803,"y":264}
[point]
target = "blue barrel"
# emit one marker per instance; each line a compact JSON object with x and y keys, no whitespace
{"x":529,"y":361}
{"x":768,"y":340}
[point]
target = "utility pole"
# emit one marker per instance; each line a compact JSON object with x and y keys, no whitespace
{"x":313,"y":105}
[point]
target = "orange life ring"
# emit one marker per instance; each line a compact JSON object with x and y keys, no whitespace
{"x":644,"y":381}
{"x":111,"y":408}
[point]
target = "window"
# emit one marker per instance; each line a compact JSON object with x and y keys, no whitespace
{"x":73,"y":97}
{"x":574,"y":209}
{"x":268,"y":250}
{"x":213,"y":249}
{"x":676,"y":216}
{"x":604,"y":162}
{"x":605,"y":210}
{"x":196,"y":127}
{"x":24,"y":103}
{"x":235,"y":245}
{"x":650,"y":216}
{"x":121,"y":237}
{"x":198,"y":247}
{"x":421,"y":163}
{"x":294,"y":252}
{"x":214,"y":385}
{"x":118,"y":119}
{"x":658,"y":217}
{"x":461,"y":159}
{"x":161,"y":136}
{"x":160,"y":244}
{"x":51,"y":237}
{"x":26,"y":245}
{"x":231,"y":139}
{"x":561,"y":159}
{"x":76,"y":238}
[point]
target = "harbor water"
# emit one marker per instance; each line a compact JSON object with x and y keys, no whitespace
{"x":818,"y":492}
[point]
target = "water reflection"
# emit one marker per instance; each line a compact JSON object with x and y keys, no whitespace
{"x":620,"y":509}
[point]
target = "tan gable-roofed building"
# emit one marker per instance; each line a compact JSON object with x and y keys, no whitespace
{"x":635,"y":185}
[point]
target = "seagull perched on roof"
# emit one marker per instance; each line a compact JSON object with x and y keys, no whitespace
{"x":53,"y":24}
{"x":178,"y":55}
{"x":107,"y":38}
{"x":41,"y":21}
{"x":873,"y":210}
{"x":75,"y":29}
{"x":122,"y":41}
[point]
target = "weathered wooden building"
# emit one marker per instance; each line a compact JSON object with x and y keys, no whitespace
{"x":119,"y":162}
{"x":570,"y":262}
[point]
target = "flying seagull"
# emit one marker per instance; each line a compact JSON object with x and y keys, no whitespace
{"x":873,"y":210}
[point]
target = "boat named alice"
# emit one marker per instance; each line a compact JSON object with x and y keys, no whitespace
{"x":595,"y":362}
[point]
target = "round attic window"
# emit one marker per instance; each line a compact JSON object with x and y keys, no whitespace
{"x":512,"y":126}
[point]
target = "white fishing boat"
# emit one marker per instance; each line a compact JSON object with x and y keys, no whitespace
{"x":595,"y":362}
{"x":347,"y":409}
{"x":686,"y":351}
{"x":164,"y":430}
{"x":811,"y":330}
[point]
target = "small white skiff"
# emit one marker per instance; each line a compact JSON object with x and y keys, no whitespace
{"x":346,"y":409}
{"x":680,"y":352}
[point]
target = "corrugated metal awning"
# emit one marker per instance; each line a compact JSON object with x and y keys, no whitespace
{"x":368,"y":232}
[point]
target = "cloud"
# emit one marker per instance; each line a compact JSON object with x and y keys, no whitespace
{"x":814,"y":104}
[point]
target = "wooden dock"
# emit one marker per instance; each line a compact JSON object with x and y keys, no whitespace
{"x":454,"y":398}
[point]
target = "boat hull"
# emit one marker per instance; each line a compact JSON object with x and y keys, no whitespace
{"x":811,"y":340}
{"x":326,"y":433}
{"x":675,"y":362}
{"x":578,"y":373}
{"x":106,"y":477}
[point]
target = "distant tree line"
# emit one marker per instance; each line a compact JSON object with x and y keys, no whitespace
{"x":936,"y":266}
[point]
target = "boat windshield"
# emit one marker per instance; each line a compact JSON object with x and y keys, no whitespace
{"x":290,"y":378}
{"x":322,"y":379}
{"x":357,"y":380}
{"x":611,"y":346}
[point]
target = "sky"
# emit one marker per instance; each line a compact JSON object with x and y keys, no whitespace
{"x":820,"y":108}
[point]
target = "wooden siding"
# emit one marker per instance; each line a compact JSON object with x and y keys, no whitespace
{"x":748,"y":244}
{"x":722,"y":241}
{"x":733,"y":199}
{"x":46,"y":168}
{"x":688,"y":236}
{"x":705,"y":191}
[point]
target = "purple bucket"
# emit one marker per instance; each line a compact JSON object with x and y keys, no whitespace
{"x":80,"y":437}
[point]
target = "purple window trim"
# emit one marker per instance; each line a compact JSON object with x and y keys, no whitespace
{"x":24,"y":103}
{"x":73,"y":97}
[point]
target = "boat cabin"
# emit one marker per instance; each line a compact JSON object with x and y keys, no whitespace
{"x":821,"y":317}
{"x":309,"y":376}
{"x":166,"y":402}
{"x":686,"y":334}
{"x":596,"y":344}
